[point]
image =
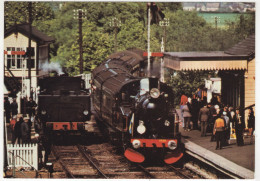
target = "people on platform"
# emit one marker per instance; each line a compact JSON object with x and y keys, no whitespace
{"x":7,"y":108}
{"x":187,"y":116}
{"x":31,"y":106}
{"x":14,"y":107}
{"x":12,"y":126}
{"x":25,"y":131}
{"x":212,"y":118}
{"x":199,"y":93}
{"x":251,"y":123}
{"x":204,"y":115}
{"x":219,"y":129}
{"x":239,"y":127}
{"x":184,"y":100}
{"x":18,"y":130}
{"x":195,"y":108}
{"x":214,"y":100}
{"x":227,"y":130}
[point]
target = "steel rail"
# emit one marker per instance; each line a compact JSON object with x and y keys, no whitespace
{"x":145,"y":171}
{"x":179,"y":172}
{"x":68,"y":173}
{"x":88,"y":157}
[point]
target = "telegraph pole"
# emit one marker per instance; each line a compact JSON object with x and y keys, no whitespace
{"x":80,"y":14}
{"x":164,"y":23}
{"x":115,"y":23}
{"x":148,"y":41}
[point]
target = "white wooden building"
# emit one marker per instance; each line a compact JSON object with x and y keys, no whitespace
{"x":16,"y":44}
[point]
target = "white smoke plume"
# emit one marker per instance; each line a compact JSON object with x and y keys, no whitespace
{"x":52,"y":66}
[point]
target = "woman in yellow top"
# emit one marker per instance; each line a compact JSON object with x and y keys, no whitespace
{"x":219,"y":129}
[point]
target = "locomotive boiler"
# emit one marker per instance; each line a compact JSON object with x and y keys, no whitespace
{"x":137,"y":110}
{"x":64,"y":104}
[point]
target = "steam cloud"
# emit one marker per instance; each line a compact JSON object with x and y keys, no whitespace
{"x":52,"y":66}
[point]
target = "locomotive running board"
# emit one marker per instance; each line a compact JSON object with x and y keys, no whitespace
{"x":173,"y":157}
{"x":134,"y":156}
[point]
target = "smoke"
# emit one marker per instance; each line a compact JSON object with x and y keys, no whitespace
{"x":52,"y":66}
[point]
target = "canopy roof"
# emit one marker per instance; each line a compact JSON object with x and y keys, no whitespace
{"x":235,"y":58}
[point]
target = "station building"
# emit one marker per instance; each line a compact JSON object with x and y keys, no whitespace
{"x":235,"y":66}
{"x":16,"y":43}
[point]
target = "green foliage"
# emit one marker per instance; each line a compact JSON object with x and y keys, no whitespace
{"x":187,"y":32}
{"x":131,"y":36}
{"x":17,"y":13}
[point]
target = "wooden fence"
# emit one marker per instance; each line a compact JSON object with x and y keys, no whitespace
{"x":22,"y":155}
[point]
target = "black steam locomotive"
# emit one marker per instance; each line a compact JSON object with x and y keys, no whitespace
{"x":64,"y":104}
{"x":137,"y":110}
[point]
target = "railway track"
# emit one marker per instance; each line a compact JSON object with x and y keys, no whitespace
{"x":99,"y":159}
{"x":116,"y":166}
{"x":73,"y":163}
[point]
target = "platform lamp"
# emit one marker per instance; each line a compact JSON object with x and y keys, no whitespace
{"x":115,"y":23}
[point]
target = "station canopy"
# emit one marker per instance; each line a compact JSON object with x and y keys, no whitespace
{"x":235,"y":58}
{"x":186,"y":61}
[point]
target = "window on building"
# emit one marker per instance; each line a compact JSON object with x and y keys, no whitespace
{"x":15,"y":61}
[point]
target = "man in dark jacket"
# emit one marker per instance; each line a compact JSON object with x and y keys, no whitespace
{"x":25,"y":130}
{"x":239,"y":126}
{"x":195,"y":112}
{"x":31,"y":106}
{"x":204,"y":115}
{"x":14,"y":107}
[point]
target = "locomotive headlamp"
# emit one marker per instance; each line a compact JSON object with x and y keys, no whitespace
{"x":167,"y":123}
{"x":85,"y":112}
{"x":136,"y":144}
{"x":155,"y":93}
{"x":141,"y":128}
{"x":172,"y":145}
{"x":43,"y":112}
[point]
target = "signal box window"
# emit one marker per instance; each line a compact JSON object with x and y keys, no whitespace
{"x":15,"y":61}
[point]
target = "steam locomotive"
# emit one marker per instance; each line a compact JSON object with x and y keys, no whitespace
{"x":137,"y":110}
{"x":64,"y":104}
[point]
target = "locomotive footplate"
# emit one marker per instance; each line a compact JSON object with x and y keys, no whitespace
{"x":171,"y":155}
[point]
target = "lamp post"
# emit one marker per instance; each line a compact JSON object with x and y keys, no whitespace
{"x":115,"y":23}
{"x":80,"y":14}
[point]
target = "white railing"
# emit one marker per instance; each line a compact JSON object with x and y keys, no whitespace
{"x":22,"y":155}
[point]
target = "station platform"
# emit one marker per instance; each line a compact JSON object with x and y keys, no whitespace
{"x":239,"y":160}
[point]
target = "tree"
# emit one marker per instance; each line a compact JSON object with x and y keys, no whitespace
{"x":187,"y":31}
{"x":17,"y":13}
